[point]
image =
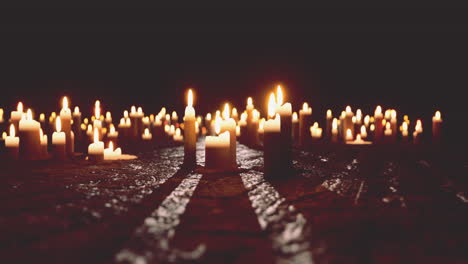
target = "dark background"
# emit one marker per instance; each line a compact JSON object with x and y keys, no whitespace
{"x":414,"y":60}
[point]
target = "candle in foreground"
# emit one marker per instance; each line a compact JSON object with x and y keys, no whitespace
{"x":190,"y":135}
{"x":59,"y":141}
{"x":217,"y":150}
{"x":436,"y":127}
{"x":12,"y":144}
{"x":110,"y":153}
{"x":29,"y":133}
{"x":96,"y":149}
{"x":272,"y":156}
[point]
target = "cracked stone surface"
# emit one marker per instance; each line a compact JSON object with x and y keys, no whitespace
{"x":341,"y":205}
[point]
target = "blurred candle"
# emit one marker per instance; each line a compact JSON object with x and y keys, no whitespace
{"x":17,"y":115}
{"x":363,"y":132}
{"x":388,"y":133}
{"x":334,"y":131}
{"x":348,"y":122}
{"x":29,"y":133}
{"x":404,"y":131}
{"x":59,"y":141}
{"x":110,"y":153}
{"x":295,"y":127}
{"x":112,"y":135}
{"x":12,"y":144}
{"x":65,"y":119}
{"x":228,"y":124}
{"x":217,"y":149}
{"x":359,"y":141}
{"x":190,"y":134}
{"x":305,"y":119}
{"x":146,"y":136}
{"x":272,"y":156}
{"x":349,"y":135}
{"x":437,"y":127}
{"x":328,"y":124}
{"x":378,"y":117}
{"x":44,"y":144}
{"x":417,"y":132}
{"x":178,"y":136}
{"x":76,"y":115}
{"x":96,"y":149}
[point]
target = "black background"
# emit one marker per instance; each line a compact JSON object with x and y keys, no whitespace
{"x":410,"y":59}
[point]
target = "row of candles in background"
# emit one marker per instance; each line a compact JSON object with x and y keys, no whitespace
{"x":277,"y":132}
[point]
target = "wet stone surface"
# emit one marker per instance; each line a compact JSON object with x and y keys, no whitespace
{"x":340,"y":205}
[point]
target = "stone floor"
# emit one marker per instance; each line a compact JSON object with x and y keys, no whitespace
{"x":341,"y":205}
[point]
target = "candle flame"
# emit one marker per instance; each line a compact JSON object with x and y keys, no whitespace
{"x":96,"y":135}
{"x":111,"y":146}
{"x":19,"y":108}
{"x":190,"y":98}
{"x":4,"y":135}
{"x":234,"y":111}
{"x":305,"y":107}
{"x":271,"y":106}
{"x":226,"y":111}
{"x":393,"y":114}
{"x":112,"y":128}
{"x":133,"y":109}
{"x":335,"y":124}
{"x":177,"y":132}
{"x":329,"y":113}
{"x":12,"y":130}
{"x":348,"y":109}
{"x":359,"y":113}
{"x":174,"y":115}
{"x":363,"y":130}
{"x":29,"y":114}
{"x":358,"y":137}
{"x":122,"y":121}
{"x":387,"y":126}
{"x":372,"y":127}
{"x":108,"y":115}
{"x":140,"y":110}
{"x":208,"y":117}
{"x":294,"y":116}
{"x":249,"y":101}
{"x":65,"y":102}
{"x":42,"y":117}
{"x":349,"y":134}
{"x":438,"y":115}
{"x":404,"y":126}
{"x":76,"y":110}
{"x":279,"y":96}
{"x":58,"y":124}
{"x":217,"y":125}
{"x":97,"y":109}
{"x":378,"y":110}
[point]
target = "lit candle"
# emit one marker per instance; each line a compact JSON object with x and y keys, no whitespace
{"x":234,"y":114}
{"x":363,"y":131}
{"x":305,"y":115}
{"x":65,"y":119}
{"x":96,"y":149}
{"x":146,"y":136}
{"x":59,"y":141}
{"x":228,"y":124}
{"x":252,"y":134}
{"x":417,"y":132}
{"x":334,"y":131}
{"x":110,"y":154}
{"x":136,"y":117}
{"x":44,"y":143}
{"x":238,"y":131}
{"x":12,"y":144}
{"x":112,"y":135}
{"x":272,"y":156}
{"x":108,"y":118}
{"x":388,"y":133}
{"x":17,"y":115}
{"x":358,"y":141}
{"x":217,"y":150}
{"x":29,"y":133}
{"x":378,"y":117}
{"x":404,"y":131}
{"x":1,"y":116}
{"x":190,"y":134}
{"x":328,"y":125}
{"x":315,"y":132}
{"x":178,"y":136}
{"x":208,"y":124}
{"x":437,"y":127}
{"x":174,"y":117}
{"x":349,"y":135}
{"x":348,"y":122}
{"x":295,"y":127}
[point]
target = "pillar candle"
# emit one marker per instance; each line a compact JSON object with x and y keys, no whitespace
{"x":96,"y":149}
{"x":17,"y":115}
{"x":65,"y":119}
{"x":348,"y":122}
{"x":12,"y":144}
{"x":328,"y":125}
{"x":305,"y":119}
{"x":388,"y":133}
{"x":295,"y":128}
{"x":272,"y":156}
{"x":44,"y":144}
{"x":190,"y":135}
{"x":110,"y":153}
{"x":349,"y":135}
{"x":77,"y":122}
{"x":363,"y":132}
{"x":393,"y":124}
{"x":59,"y":149}
{"x":418,"y":130}
{"x":29,"y":133}
{"x":217,"y":150}
{"x":228,"y":124}
{"x":334,"y":131}
{"x":437,"y":127}
{"x":404,"y":132}
{"x":378,"y":117}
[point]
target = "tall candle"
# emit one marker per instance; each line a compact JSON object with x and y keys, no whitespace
{"x":417,"y":132}
{"x":378,"y":117}
{"x":295,"y":127}
{"x":65,"y":119}
{"x":272,"y":156}
{"x":96,"y":149}
{"x":29,"y":133}
{"x":348,"y":122}
{"x":59,"y":141}
{"x":334,"y":131}
{"x":12,"y":144}
{"x":404,"y":132}
{"x":328,"y":125}
{"x":437,"y":127}
{"x":17,"y":115}
{"x":217,"y":150}
{"x":228,"y":124}
{"x":77,"y":123}
{"x":305,"y":119}
{"x":363,"y":132}
{"x":190,"y":134}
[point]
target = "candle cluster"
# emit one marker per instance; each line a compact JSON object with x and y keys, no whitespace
{"x":277,"y":132}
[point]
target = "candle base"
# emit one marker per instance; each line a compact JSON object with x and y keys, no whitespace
{"x":96,"y":157}
{"x":59,"y":151}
